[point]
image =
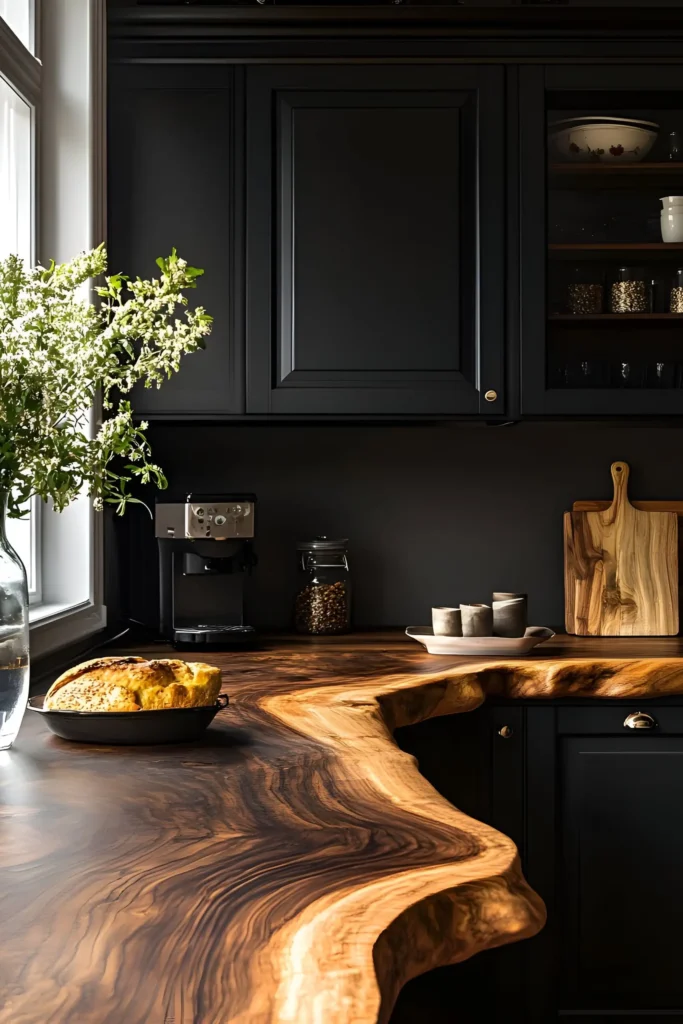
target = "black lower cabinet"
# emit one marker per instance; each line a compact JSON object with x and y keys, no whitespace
{"x":594,"y":807}
{"x":622,"y":853}
{"x":461,"y":755}
{"x":619,"y":888}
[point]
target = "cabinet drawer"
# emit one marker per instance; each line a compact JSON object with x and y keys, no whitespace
{"x":609,"y":720}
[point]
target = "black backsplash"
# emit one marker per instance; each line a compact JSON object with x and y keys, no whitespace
{"x":435,"y":514}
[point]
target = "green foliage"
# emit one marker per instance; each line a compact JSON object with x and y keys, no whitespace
{"x":61,"y":353}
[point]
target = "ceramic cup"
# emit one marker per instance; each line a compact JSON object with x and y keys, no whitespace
{"x":509,"y":614}
{"x":446,"y":621}
{"x":671,"y":218}
{"x":477,"y":620}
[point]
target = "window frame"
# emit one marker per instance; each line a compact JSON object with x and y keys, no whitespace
{"x":21,"y":69}
{"x":67,"y":62}
{"x":19,"y":66}
{"x":32,"y":33}
{"x":35,"y":589}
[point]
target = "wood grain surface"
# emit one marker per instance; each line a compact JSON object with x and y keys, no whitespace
{"x":598,"y":505}
{"x":294,"y":866}
{"x":621,"y":568}
{"x":601,"y":505}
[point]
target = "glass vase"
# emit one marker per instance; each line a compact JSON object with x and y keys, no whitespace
{"x":14,"y":652}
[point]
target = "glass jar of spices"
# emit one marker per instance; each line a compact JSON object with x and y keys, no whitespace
{"x":676,"y":299}
{"x":323,"y":599}
{"x":585,"y":292}
{"x":630,"y":293}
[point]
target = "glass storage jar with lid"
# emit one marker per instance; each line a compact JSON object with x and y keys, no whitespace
{"x":676,"y":297}
{"x":585,"y":291}
{"x":323,"y":599}
{"x":630,"y":293}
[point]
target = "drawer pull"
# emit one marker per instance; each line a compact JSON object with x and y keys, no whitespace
{"x":639,"y":720}
{"x":505,"y":731}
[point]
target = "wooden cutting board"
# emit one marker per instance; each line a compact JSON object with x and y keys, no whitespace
{"x":621,"y":568}
{"x":600,"y":504}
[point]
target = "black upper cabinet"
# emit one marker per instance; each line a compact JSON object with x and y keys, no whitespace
{"x":375,"y":240}
{"x":405,"y":237}
{"x":173,"y":175}
{"x":600,"y":325}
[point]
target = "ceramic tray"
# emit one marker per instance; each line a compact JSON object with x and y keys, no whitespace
{"x":170,"y":725}
{"x":499,"y":646}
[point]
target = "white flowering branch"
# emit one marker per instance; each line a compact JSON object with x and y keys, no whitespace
{"x":58,"y":350}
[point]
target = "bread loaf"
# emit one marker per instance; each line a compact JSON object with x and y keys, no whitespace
{"x":134,"y":684}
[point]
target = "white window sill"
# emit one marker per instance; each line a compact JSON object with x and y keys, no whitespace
{"x":53,"y":625}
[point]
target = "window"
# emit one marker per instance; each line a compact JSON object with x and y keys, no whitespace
{"x":16,"y":159}
{"x":19,"y":100}
{"x":24,"y":536}
{"x":59,"y":97}
{"x":19,"y":16}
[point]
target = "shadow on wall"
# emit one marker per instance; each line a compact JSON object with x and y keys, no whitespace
{"x":436,"y":514}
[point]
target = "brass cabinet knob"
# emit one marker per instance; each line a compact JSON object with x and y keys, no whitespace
{"x":639,"y":720}
{"x":491,"y":396}
{"x":506,"y":731}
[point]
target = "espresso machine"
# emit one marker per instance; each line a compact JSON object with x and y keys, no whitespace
{"x":205,"y":553}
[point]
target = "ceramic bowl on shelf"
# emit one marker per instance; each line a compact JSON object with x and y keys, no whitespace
{"x":602,"y":140}
{"x":486,"y":646}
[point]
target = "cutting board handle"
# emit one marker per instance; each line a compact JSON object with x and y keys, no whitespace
{"x":620,"y":474}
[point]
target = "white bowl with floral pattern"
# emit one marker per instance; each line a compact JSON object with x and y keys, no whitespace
{"x":601,"y":140}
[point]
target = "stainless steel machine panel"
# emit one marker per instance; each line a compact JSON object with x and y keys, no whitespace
{"x":205,"y":520}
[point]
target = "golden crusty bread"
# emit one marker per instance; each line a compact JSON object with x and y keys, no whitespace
{"x":134,"y":684}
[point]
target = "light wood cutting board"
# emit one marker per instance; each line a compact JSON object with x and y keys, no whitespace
{"x":673,"y":505}
{"x":621,"y":568}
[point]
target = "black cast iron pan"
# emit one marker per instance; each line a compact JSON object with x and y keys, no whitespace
{"x":171,"y":725}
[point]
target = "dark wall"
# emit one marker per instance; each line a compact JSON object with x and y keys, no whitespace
{"x":435,"y":514}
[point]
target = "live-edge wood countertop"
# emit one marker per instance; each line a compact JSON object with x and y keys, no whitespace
{"x":294,"y":866}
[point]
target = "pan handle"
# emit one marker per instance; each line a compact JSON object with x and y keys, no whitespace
{"x":222,"y":700}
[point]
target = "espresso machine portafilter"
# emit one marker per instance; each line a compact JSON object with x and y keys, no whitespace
{"x":205,"y":553}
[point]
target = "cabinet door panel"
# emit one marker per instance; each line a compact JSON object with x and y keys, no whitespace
{"x":372,"y":329}
{"x":172,"y":173}
{"x":622,"y":893}
{"x":366,"y":251}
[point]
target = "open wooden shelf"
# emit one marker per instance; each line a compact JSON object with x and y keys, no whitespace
{"x":644,"y":175}
{"x":613,"y":250}
{"x":616,"y":246}
{"x":609,"y":170}
{"x":597,"y":317}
